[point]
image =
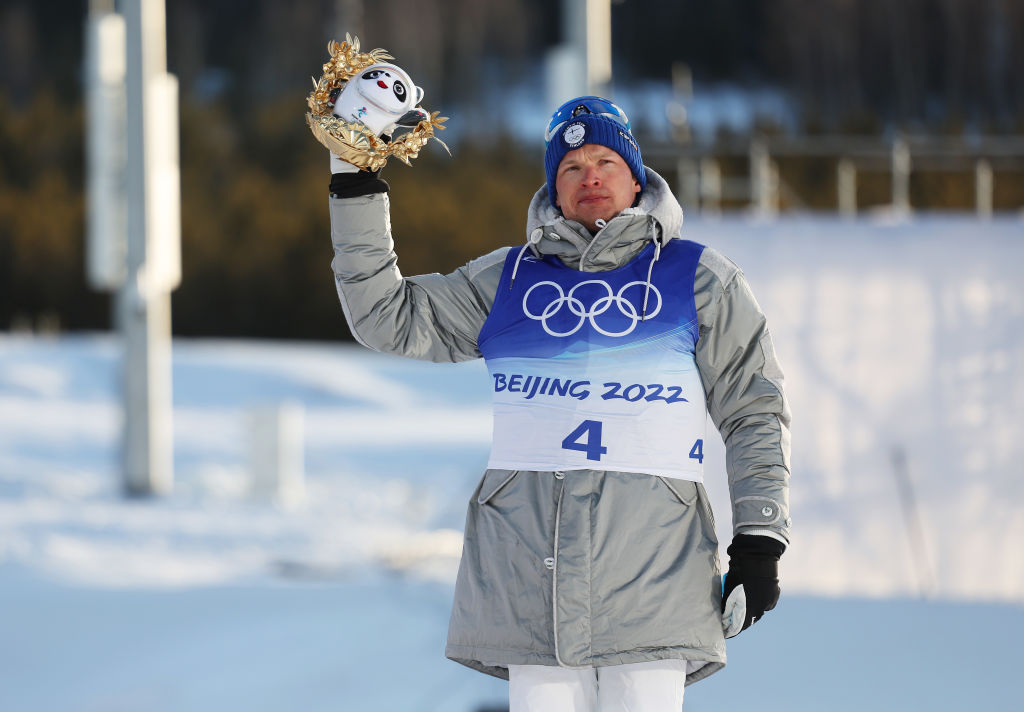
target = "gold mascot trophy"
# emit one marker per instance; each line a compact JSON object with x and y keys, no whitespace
{"x":361,"y":97}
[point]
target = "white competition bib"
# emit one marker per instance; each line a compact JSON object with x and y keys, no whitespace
{"x":580,"y":381}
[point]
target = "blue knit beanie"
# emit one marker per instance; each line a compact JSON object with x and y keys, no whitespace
{"x":590,"y":119}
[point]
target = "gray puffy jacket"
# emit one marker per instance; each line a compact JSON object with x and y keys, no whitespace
{"x":586,"y":568}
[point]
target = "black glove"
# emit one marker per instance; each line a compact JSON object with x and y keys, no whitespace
{"x":754,"y":565}
{"x":347,"y":181}
{"x":354,"y":185}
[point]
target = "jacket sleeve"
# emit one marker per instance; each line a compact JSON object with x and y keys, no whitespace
{"x":744,"y":388}
{"x":432,"y":317}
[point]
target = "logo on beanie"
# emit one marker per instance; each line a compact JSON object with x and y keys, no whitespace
{"x":575,"y":134}
{"x":630,"y":139}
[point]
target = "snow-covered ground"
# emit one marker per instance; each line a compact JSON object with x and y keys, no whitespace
{"x":899,"y":341}
{"x":902,"y":343}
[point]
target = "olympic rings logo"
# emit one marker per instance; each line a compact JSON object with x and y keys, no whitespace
{"x":601,"y":305}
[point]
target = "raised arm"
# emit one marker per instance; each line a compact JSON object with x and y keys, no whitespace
{"x":432,"y":317}
{"x":364,"y":109}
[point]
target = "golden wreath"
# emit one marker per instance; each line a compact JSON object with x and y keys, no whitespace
{"x":350,"y":140}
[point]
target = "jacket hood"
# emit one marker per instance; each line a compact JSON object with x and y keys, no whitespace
{"x":657,"y":216}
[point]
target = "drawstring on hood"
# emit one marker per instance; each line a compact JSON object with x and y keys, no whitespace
{"x":650,"y":268}
{"x":535,"y":236}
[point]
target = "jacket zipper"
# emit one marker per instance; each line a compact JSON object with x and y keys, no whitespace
{"x":554,"y":585}
{"x":554,"y":572}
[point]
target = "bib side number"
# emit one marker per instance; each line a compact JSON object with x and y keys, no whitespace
{"x":586,"y":438}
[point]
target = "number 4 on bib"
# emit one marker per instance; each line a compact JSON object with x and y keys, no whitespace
{"x":591,"y":429}
{"x":697,"y":452}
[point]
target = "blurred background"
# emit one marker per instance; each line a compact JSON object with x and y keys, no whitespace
{"x":708,"y":77}
{"x":861,"y":160}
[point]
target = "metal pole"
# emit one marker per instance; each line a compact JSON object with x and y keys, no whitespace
{"x":688,"y":184}
{"x":983,"y":188}
{"x":710,"y":188}
{"x":105,"y":150}
{"x":846,"y":187}
{"x":599,"y":46}
{"x":587,"y":44}
{"x":764,"y":190}
{"x":774,"y":188}
{"x":901,"y":176}
{"x":758,"y":156}
{"x":277,"y":454}
{"x":153,"y":229}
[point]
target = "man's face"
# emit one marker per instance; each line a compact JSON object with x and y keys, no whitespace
{"x":592,"y":183}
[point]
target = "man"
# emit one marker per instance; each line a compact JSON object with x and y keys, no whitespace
{"x":590,"y":563}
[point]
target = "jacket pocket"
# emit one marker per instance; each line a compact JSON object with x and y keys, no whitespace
{"x":493,"y":482}
{"x":684,"y":490}
{"x":708,"y":512}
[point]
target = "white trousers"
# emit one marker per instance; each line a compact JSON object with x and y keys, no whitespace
{"x":655,"y":686}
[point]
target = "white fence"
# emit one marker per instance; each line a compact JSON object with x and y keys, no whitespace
{"x":703,"y":187}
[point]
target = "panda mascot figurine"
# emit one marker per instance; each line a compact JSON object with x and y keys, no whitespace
{"x":382,"y":98}
{"x":358,"y":105}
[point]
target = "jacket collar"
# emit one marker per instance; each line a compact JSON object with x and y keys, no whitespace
{"x":657,"y":216}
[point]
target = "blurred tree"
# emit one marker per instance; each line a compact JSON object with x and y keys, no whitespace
{"x":41,"y":216}
{"x":928,"y":62}
{"x":915,"y":60}
{"x":18,"y":51}
{"x":254,"y":184}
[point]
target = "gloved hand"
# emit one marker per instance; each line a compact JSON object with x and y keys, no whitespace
{"x":751,"y":586}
